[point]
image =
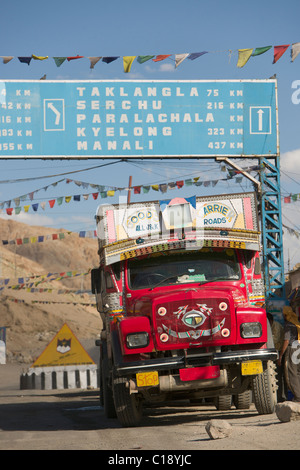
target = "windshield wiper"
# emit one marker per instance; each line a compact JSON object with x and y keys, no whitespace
{"x":167,"y":279}
{"x":216,"y":279}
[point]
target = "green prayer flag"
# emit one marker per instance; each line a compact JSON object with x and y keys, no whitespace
{"x":261,"y":50}
{"x":143,"y":58}
{"x":59,"y":60}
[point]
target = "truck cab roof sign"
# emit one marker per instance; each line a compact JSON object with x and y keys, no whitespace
{"x":141,"y":228}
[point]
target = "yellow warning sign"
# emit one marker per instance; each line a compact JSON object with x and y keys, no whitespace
{"x":63,"y":350}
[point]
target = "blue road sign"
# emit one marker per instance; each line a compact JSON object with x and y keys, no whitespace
{"x":134,"y":119}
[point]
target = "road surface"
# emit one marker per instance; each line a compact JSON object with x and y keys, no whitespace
{"x":74,"y":420}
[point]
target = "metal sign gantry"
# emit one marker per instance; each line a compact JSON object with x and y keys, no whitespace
{"x":271,"y":220}
{"x":269,"y":200}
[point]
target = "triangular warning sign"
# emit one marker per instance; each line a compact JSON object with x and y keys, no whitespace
{"x":63,"y":350}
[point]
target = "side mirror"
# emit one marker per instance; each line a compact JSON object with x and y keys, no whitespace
{"x":257,"y":267}
{"x":96,"y":280}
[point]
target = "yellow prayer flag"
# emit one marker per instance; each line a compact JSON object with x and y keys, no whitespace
{"x":36,"y":57}
{"x":26,"y":208}
{"x":33,"y":239}
{"x":244,"y":56}
{"x":110,"y":193}
{"x":68,"y":198}
{"x":127,"y":63}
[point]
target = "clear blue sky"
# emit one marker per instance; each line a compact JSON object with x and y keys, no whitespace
{"x":117,"y":28}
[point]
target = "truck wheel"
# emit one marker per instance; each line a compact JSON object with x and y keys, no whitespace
{"x":243,"y":401}
{"x":128,"y":406}
{"x":223,"y":402}
{"x":265,"y":389}
{"x":106,"y":394}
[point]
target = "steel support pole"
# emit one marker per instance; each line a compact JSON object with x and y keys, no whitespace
{"x":271,"y":228}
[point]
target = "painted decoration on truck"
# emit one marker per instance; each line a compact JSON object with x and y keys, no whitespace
{"x":220,"y":214}
{"x":193,"y":321}
{"x":194,"y":334}
{"x":138,"y":229}
{"x":179,"y":212}
{"x":227,"y":212}
{"x":141,"y":221}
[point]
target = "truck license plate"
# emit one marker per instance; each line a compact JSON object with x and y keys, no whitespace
{"x":252,"y":368}
{"x":147,"y":379}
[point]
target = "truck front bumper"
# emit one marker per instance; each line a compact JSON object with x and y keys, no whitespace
{"x":180,"y":362}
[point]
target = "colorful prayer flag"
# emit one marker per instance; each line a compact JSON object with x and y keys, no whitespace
{"x":195,"y":55}
{"x":75,"y":57}
{"x":179,"y":58}
{"x":127,"y":63}
{"x":59,"y":60}
{"x":144,"y":58}
{"x":295,"y":50}
{"x":261,"y":50}
{"x":279,"y":51}
{"x":108,"y":60}
{"x":244,"y":56}
{"x":7,"y":59}
{"x":36,"y":57}
{"x":94,"y":61}
{"x":25,"y":60}
{"x":158,"y":58}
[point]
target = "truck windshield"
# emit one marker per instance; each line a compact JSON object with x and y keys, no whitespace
{"x":183,"y":268}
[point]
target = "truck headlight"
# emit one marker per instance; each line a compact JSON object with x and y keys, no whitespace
{"x":137,"y":340}
{"x":251,"y":330}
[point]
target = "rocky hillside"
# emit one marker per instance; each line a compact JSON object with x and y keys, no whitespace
{"x":34,"y":306}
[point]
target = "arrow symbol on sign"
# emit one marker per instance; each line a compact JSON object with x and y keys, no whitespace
{"x":57,"y":113}
{"x":260,"y":119}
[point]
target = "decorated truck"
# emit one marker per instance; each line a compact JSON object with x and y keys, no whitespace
{"x":181,"y":295}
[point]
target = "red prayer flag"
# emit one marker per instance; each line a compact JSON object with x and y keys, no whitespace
{"x":95,"y":195}
{"x":75,"y":57}
{"x":279,"y":51}
{"x":287,"y":199}
{"x":179,"y":184}
{"x":161,"y":57}
{"x":9,"y":210}
{"x":52,"y":202}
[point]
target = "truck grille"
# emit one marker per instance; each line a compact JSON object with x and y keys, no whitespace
{"x":195,"y":321}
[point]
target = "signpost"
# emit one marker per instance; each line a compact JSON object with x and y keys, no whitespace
{"x":138,"y":119}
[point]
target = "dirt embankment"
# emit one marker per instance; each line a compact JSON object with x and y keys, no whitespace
{"x":33,"y":308}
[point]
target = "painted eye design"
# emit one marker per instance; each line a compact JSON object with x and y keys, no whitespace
{"x":164,"y":337}
{"x":223,"y":306}
{"x":162,"y":311}
{"x":225,"y":332}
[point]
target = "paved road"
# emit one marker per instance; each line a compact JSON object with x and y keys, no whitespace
{"x":63,"y":420}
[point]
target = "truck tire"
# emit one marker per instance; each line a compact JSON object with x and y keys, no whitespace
{"x":265,"y":389}
{"x":223,"y":402}
{"x":128,"y":406}
{"x":243,"y":401}
{"x":106,"y":394}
